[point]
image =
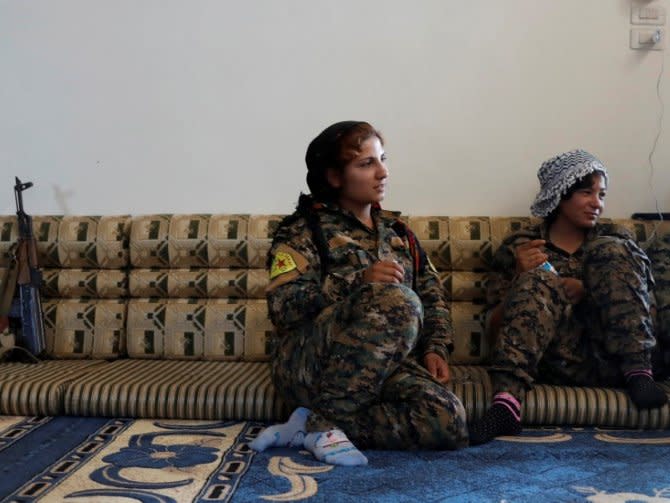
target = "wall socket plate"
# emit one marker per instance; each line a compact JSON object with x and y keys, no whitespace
{"x":647,"y":39}
{"x":647,"y":14}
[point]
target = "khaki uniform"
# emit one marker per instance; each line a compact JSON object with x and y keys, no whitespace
{"x":544,"y":337}
{"x":351,"y":351}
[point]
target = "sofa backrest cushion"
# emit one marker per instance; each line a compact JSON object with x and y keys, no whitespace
{"x":192,"y":286}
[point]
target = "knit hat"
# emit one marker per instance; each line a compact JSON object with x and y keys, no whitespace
{"x":558,"y":174}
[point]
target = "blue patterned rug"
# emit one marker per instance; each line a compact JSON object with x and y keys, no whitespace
{"x":101,"y":459}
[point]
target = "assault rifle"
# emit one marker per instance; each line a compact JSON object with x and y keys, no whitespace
{"x":27,"y":306}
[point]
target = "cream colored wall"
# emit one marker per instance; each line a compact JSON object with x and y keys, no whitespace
{"x":183,"y":106}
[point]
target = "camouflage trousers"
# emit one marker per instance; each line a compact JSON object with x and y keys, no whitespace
{"x":595,"y":342}
{"x":659,"y":255}
{"x":356,"y":368}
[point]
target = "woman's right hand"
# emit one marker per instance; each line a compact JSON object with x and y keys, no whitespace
{"x":384,"y":271}
{"x":529,"y":255}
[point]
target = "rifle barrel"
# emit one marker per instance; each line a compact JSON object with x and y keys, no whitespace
{"x":19,"y":201}
{"x":18,"y":196}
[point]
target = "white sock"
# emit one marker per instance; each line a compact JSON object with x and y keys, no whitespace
{"x":335,"y":448}
{"x":292,"y":432}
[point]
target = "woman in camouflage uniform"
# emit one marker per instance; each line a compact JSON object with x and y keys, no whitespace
{"x":363,"y":333}
{"x":571,"y":303}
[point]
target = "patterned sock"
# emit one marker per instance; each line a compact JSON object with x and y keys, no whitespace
{"x":503,"y":418}
{"x":292,"y":432}
{"x":643,"y":391}
{"x":335,"y":448}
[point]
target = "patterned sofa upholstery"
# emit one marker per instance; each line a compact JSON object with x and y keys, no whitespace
{"x":164,"y":316}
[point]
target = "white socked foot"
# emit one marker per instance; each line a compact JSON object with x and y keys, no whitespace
{"x":335,"y":448}
{"x":291,"y":433}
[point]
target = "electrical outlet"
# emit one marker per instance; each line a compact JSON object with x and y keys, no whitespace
{"x":647,"y":14}
{"x":650,"y":39}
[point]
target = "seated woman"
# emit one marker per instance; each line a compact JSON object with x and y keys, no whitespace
{"x":363,"y":333}
{"x":572,"y":303}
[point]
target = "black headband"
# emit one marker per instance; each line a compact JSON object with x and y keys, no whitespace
{"x":325,"y":146}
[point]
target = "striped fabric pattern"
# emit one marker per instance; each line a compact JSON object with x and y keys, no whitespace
{"x":177,"y":390}
{"x":37,"y":389}
{"x":560,"y":405}
{"x":472,"y":385}
{"x":587,"y":406}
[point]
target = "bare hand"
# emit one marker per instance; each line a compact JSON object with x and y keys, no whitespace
{"x":437,"y":367}
{"x":384,"y":271}
{"x":529,"y":255}
{"x":574,"y":289}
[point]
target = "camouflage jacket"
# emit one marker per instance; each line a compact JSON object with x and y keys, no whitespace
{"x":568,"y":265}
{"x":297,"y":293}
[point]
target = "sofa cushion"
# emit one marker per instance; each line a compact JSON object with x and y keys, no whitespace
{"x":472,"y":346}
{"x":184,"y":241}
{"x":454,"y":243}
{"x":85,"y":328}
{"x":85,"y":283}
{"x":72,"y":241}
{"x":37,"y":389}
{"x":198,"y":283}
{"x":177,"y":390}
{"x":93,"y":242}
{"x":199,"y":329}
{"x":588,"y":406}
{"x":472,"y":385}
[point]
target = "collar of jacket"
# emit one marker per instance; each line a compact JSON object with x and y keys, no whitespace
{"x":600,"y":229}
{"x":387,"y":216}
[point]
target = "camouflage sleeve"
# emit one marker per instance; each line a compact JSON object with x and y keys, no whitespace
{"x":294,"y":294}
{"x":613,"y":229}
{"x":438,"y":329}
{"x":501,"y":275}
{"x":644,"y":256}
{"x":659,"y":254}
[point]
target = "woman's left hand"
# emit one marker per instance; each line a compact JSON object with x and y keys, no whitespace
{"x":437,"y":367}
{"x":574,"y":289}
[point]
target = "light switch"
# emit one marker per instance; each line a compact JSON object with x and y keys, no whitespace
{"x":652,"y":39}
{"x":653,"y":14}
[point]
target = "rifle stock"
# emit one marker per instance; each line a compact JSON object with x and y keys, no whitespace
{"x":23,"y":276}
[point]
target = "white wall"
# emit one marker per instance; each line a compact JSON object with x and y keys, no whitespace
{"x":182,"y":106}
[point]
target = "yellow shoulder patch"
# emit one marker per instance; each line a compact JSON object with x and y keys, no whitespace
{"x":282,"y":263}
